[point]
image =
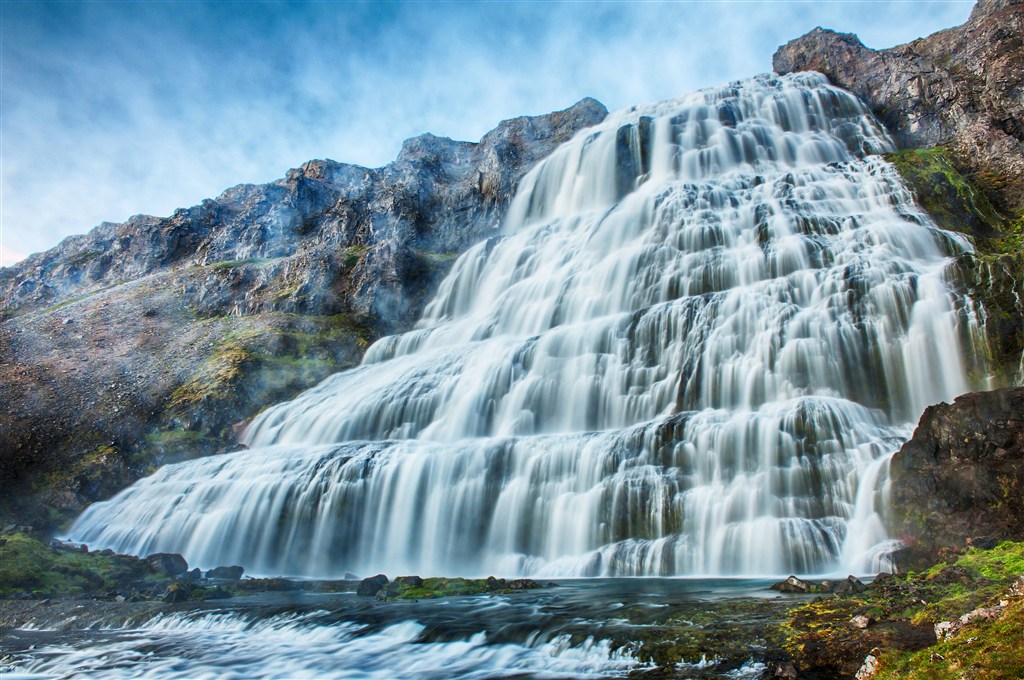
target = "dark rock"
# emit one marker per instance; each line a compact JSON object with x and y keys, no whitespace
{"x":349,"y":576}
{"x":216,"y":593}
{"x":793,"y":584}
{"x":962,"y":473}
{"x":179,"y":591}
{"x":196,"y":574}
{"x":412,"y":581}
{"x":982,"y":542}
{"x":848,"y":586}
{"x":227,"y":573}
{"x":171,"y":564}
{"x":368,"y":587}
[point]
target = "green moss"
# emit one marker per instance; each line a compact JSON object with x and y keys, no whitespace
{"x":953,"y":201}
{"x":944,"y":592}
{"x":27,"y":565}
{"x":350,"y":256}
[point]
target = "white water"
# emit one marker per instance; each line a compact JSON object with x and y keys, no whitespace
{"x":708,"y":324}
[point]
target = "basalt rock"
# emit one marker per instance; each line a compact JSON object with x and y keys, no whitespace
{"x":147,"y":342}
{"x":959,"y":87}
{"x":962,"y":473}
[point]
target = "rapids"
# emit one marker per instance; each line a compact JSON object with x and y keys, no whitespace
{"x":706,"y":326}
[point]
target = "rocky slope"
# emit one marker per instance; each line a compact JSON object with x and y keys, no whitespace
{"x":144,"y":342}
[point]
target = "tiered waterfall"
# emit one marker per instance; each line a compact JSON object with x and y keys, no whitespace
{"x":705,"y":327}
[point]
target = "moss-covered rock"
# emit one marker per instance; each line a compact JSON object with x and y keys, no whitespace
{"x":901,"y":612}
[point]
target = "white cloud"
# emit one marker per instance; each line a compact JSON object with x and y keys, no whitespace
{"x":111,"y":109}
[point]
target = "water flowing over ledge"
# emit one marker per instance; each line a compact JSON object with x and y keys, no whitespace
{"x":707,"y":325}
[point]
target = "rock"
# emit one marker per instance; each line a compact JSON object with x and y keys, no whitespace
{"x":216,"y":593}
{"x":792,"y":584}
{"x":179,"y":591}
{"x":227,"y":573}
{"x":869,"y":669}
{"x":861,"y":621}
{"x":848,"y":586}
{"x":962,"y":473}
{"x":196,"y":574}
{"x":171,"y":564}
{"x":368,"y":587}
{"x":349,"y":576}
{"x":413,"y":581}
{"x":782,"y":669}
{"x":959,"y":87}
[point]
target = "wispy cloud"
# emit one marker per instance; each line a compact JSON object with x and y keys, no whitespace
{"x":111,"y":109}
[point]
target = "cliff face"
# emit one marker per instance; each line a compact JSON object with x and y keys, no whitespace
{"x":144,"y":342}
{"x":960,"y":87}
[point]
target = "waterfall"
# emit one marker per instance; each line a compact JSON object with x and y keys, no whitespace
{"x":707,"y":324}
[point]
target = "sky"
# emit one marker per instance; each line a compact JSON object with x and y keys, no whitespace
{"x":111,"y":109}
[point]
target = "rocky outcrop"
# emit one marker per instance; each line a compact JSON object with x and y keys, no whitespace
{"x":961,"y":476}
{"x":146,"y":342}
{"x":960,"y":87}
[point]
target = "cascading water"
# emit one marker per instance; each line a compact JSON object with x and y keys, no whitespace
{"x":707,"y":325}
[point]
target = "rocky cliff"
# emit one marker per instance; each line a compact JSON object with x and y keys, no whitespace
{"x":960,"y":87}
{"x":144,"y":342}
{"x":960,"y":478}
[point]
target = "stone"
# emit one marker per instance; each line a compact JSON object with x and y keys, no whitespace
{"x":861,"y":621}
{"x":413,"y":581}
{"x":369,"y":586}
{"x":226,"y":573}
{"x":179,"y":591}
{"x":170,"y":564}
{"x":869,"y":669}
{"x":793,"y":584}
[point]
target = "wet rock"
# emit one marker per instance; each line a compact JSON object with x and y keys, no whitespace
{"x":782,"y":669}
{"x":793,"y":584}
{"x":171,"y":564}
{"x":369,"y":586}
{"x":216,"y":593}
{"x":412,"y":581}
{"x":226,"y":573}
{"x":851,"y":584}
{"x":179,"y":591}
{"x":196,"y":574}
{"x":349,"y":576}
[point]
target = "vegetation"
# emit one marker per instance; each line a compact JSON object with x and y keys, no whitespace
{"x":904,"y":609}
{"x":27,"y":565}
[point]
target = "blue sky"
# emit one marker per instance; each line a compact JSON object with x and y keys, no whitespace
{"x":110,"y":109}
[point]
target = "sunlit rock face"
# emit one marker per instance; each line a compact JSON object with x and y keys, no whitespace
{"x":703,"y":329}
{"x":959,"y":87}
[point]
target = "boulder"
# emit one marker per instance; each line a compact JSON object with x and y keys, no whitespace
{"x":171,"y":564}
{"x":961,"y":475}
{"x":179,"y":591}
{"x":369,"y":586}
{"x":226,"y":573}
